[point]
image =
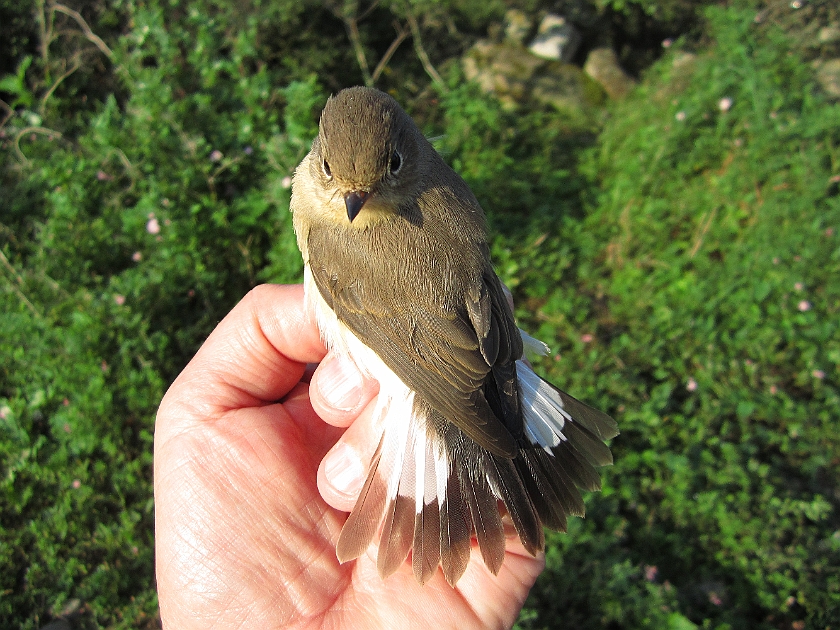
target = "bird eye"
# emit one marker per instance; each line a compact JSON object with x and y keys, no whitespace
{"x":326,"y":166}
{"x":396,"y":163}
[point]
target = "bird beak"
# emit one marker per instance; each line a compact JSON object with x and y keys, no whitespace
{"x":354,"y":200}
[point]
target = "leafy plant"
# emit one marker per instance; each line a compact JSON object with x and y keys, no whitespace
{"x":703,"y":302}
{"x":680,"y":261}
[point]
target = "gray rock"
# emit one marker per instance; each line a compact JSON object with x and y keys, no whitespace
{"x":829,"y":34}
{"x":515,"y":76}
{"x":602,"y":65}
{"x":502,"y":69}
{"x":556,"y":39}
{"x":517,"y":26}
{"x":568,"y":89}
{"x":828,"y":76}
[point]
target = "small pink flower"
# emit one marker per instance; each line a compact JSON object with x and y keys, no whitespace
{"x":5,"y":412}
{"x":77,"y":484}
{"x":66,"y":402}
{"x":798,"y":286}
{"x":119,"y":299}
{"x":797,"y":4}
{"x":725,"y":104}
{"x":680,"y":116}
{"x":835,"y":179}
{"x":191,"y":293}
{"x":137,"y":257}
{"x":153,"y":227}
{"x":774,"y":390}
{"x":650,"y":573}
{"x":286,"y":182}
{"x":715,"y":599}
{"x":103,"y":366}
{"x":819,"y":374}
{"x":215,"y":156}
{"x":586,"y":338}
{"x":776,"y":260}
{"x":165,"y":203}
{"x":151,"y":215}
{"x":667,"y":43}
{"x":67,"y":428}
{"x":829,"y":231}
{"x":691,"y":385}
{"x":102,"y":176}
{"x":804,"y":305}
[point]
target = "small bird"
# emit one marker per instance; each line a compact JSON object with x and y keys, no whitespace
{"x":397,"y":270}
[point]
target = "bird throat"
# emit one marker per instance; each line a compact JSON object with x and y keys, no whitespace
{"x":375,"y":212}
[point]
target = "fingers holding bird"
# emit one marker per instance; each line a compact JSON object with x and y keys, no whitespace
{"x":343,"y":397}
{"x":339,"y":391}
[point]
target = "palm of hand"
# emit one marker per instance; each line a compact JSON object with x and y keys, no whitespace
{"x":244,"y":538}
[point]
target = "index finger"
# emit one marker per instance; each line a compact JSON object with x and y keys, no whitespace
{"x":254,"y":357}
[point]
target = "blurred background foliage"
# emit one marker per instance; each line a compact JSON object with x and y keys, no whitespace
{"x":679,"y":250}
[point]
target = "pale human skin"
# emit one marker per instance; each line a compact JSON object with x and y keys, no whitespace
{"x":251,"y":493}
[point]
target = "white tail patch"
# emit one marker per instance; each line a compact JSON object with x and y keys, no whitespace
{"x":543,"y":409}
{"x":533,"y":346}
{"x":421,"y":471}
{"x":397,"y":434}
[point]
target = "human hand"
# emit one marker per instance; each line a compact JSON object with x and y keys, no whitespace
{"x":245,"y":529}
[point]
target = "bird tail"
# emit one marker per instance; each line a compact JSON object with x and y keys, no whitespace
{"x":430,"y":488}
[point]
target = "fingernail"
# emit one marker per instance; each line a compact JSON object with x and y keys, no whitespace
{"x":344,"y":469}
{"x":340,"y":384}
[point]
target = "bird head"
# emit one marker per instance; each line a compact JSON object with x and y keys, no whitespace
{"x":366,"y":157}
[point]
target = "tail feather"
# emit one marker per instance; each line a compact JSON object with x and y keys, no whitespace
{"x":556,"y":476}
{"x":484,"y":514}
{"x":454,"y":530}
{"x":596,"y":422}
{"x":398,"y":527}
{"x":361,"y":525}
{"x":577,"y":468}
{"x":426,"y":550}
{"x":430,"y":488}
{"x":507,"y":485}
{"x":397,"y":536}
{"x":548,"y":503}
{"x":382,"y":483}
{"x":596,"y":452}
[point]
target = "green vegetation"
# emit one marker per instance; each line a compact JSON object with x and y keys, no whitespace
{"x":682,"y":260}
